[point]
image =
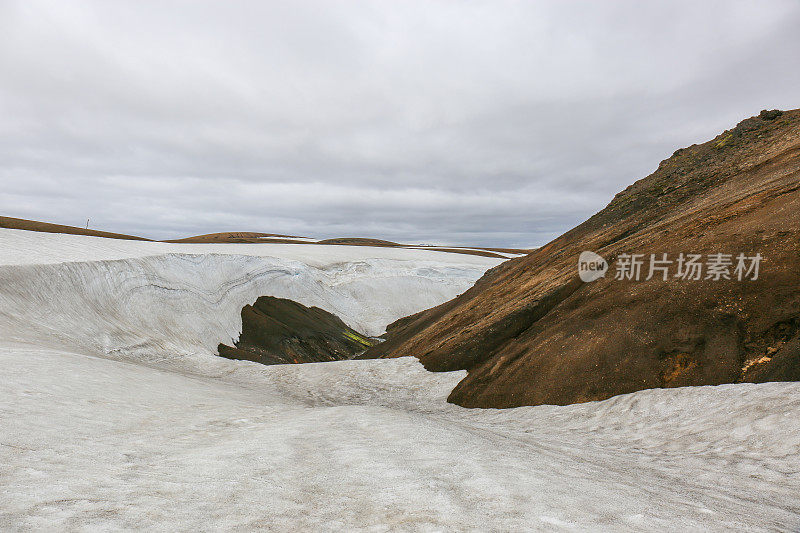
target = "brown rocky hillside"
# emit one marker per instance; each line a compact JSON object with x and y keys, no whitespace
{"x":531,"y":332}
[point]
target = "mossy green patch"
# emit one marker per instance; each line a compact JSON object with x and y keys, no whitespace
{"x":358,"y":338}
{"x":724,"y":141}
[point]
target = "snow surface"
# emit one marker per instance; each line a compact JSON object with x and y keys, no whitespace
{"x":166,"y":302}
{"x":114,"y":414}
{"x":29,"y":247}
{"x":507,"y":255}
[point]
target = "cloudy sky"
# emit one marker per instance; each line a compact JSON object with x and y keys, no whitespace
{"x":463,"y":122}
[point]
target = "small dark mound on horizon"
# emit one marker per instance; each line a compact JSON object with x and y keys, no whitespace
{"x":359,"y":241}
{"x":280,"y":331}
{"x":236,"y":237}
{"x":47,"y":227}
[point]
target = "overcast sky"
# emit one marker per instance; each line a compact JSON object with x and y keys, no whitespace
{"x":464,"y":122}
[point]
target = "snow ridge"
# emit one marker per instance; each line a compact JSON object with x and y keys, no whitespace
{"x":175,"y":305}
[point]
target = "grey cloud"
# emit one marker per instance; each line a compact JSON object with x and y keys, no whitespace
{"x":494,"y":123}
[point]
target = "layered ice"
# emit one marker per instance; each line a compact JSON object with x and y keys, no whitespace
{"x":162,"y":302}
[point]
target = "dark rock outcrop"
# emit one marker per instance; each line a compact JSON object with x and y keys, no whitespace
{"x":531,"y":332}
{"x":277,"y":331}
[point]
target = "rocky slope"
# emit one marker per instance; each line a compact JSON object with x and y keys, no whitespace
{"x":278,"y":330}
{"x":531,"y":332}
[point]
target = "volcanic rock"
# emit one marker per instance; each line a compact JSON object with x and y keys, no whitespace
{"x":531,"y":332}
{"x":278,"y":330}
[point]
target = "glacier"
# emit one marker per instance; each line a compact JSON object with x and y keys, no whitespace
{"x":116,"y":415}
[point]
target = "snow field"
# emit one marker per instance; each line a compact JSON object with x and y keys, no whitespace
{"x":115,"y":415}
